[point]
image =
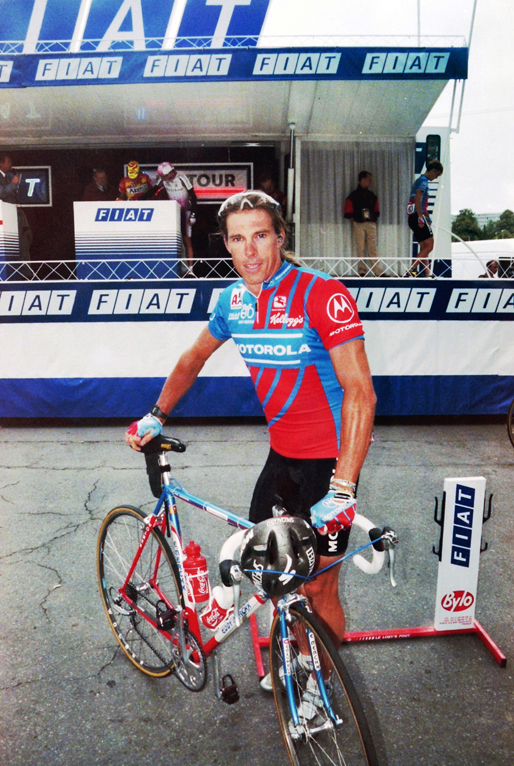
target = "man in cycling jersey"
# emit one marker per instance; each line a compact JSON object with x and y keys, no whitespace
{"x":178,"y":187}
{"x":300,"y":335}
{"x":135,"y":185}
{"x":419,"y":220}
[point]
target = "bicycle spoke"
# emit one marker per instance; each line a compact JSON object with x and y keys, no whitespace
{"x":134,"y":624}
{"x":333,"y":734}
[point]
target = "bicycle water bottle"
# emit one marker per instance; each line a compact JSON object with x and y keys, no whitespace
{"x":221,"y":602}
{"x":195,"y":567}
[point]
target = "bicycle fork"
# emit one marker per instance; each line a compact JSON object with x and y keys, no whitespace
{"x":302,"y":727}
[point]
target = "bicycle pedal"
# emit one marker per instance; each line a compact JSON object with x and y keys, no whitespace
{"x":166,"y":618}
{"x":229,"y":692}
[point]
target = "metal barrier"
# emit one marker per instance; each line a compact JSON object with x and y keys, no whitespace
{"x":158,"y":269}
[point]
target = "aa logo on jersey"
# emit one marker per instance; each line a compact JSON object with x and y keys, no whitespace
{"x":340,"y":309}
{"x":236,"y":299}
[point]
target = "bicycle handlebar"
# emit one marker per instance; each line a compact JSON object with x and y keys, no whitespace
{"x":377,"y":560}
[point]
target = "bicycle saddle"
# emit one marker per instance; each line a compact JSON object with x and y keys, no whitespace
{"x":163,"y":444}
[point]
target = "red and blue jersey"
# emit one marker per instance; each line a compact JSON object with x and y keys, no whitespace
{"x":285,"y":336}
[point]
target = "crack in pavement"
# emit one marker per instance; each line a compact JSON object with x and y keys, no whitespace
{"x":68,"y":529}
{"x":42,"y":603}
{"x":74,"y":679}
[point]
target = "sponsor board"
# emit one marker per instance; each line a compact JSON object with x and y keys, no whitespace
{"x":457,"y":577}
{"x":234,"y":64}
{"x":87,"y":301}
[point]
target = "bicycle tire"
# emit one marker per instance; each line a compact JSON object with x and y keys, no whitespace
{"x":349,"y":743}
{"x":510,"y":422}
{"x":118,"y":540}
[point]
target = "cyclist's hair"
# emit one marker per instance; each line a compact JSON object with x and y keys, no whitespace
{"x":256,"y":200}
{"x":4,"y":155}
{"x":435,"y":165}
{"x":364,"y":174}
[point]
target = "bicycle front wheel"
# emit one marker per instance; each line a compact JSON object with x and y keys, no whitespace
{"x":155,"y":576}
{"x":338,"y":734}
{"x":510,"y":423}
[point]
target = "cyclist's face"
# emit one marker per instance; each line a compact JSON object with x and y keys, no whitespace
{"x":254,"y":246}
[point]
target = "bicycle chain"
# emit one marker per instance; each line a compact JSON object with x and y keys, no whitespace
{"x":143,"y":638}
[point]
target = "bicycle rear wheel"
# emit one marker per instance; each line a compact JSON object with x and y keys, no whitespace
{"x":320,"y":741}
{"x":144,"y":644}
{"x":510,"y":423}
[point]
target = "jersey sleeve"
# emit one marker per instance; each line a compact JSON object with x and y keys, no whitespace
{"x":186,"y":183}
{"x":333,"y":313}
{"x":218,"y":326}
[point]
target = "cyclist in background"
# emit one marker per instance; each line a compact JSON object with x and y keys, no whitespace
{"x":135,"y":185}
{"x":300,"y":335}
{"x":419,"y":220}
{"x":178,"y":187}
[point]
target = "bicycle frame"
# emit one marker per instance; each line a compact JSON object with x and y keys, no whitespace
{"x":165,"y":516}
{"x":174,"y":623}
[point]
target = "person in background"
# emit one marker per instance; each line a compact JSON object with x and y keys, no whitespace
{"x":419,"y":220}
{"x":268,"y":185}
{"x":362,"y":209}
{"x":492,"y":270}
{"x":135,"y":185}
{"x":99,"y":190}
{"x":174,"y":186}
{"x":9,"y":188}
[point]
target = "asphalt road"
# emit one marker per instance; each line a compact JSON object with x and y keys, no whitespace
{"x":69,"y":696}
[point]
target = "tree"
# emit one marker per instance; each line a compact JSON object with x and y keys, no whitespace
{"x":504,"y":226}
{"x":466,"y":226}
{"x":489,"y":230}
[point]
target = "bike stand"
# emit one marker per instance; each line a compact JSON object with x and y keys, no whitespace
{"x":462,"y":516}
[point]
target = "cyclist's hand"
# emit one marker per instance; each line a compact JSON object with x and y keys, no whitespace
{"x":421,"y":221}
{"x":140,"y":432}
{"x":334,"y":512}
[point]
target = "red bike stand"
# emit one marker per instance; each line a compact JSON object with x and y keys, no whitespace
{"x":262,"y":642}
{"x":463,"y":512}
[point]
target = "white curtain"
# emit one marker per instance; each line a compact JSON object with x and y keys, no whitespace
{"x":329,"y":172}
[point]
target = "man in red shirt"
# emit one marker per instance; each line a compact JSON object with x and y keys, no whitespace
{"x":300,"y":335}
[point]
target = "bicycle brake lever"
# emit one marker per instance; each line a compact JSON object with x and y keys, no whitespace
{"x":390,"y":541}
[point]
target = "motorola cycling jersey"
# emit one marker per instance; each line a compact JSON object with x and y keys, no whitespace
{"x":285,"y":336}
{"x":135,"y":188}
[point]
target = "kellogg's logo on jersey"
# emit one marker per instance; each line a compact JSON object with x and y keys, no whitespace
{"x":236,"y":299}
{"x":339,"y":308}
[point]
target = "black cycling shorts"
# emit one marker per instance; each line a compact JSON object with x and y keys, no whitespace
{"x":421,"y":233}
{"x":297,"y":484}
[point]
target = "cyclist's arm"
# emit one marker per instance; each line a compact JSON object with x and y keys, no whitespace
{"x":352,"y":370}
{"x":181,"y":379}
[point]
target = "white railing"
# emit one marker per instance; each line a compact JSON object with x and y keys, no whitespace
{"x":145,"y":269}
{"x":21,"y":47}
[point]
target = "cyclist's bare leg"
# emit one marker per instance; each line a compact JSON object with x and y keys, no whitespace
{"x":323,"y":594}
{"x":425,"y":248}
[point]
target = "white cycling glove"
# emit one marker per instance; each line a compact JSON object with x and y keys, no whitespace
{"x":334,"y":512}
{"x":148,"y":424}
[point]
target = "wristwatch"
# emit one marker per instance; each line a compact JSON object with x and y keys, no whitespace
{"x":158,"y":413}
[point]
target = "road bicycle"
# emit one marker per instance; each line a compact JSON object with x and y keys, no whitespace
{"x":149,"y":600}
{"x":510,"y":422}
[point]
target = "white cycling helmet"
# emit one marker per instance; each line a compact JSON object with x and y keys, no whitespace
{"x":165,"y":168}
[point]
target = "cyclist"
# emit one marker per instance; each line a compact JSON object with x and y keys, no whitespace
{"x":178,"y":187}
{"x":419,"y":220}
{"x":135,"y":185}
{"x":303,"y":349}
